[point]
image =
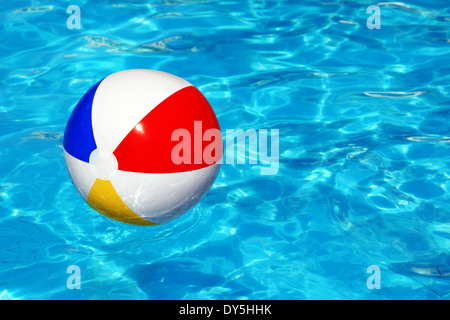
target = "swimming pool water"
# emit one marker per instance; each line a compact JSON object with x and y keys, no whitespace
{"x":363,"y":118}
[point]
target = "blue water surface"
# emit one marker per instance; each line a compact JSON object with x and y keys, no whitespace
{"x":363,"y":118}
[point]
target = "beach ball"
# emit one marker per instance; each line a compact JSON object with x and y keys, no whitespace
{"x":143,"y":146}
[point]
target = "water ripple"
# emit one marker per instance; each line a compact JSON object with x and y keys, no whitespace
{"x":34,"y":9}
{"x":429,"y":139}
{"x":393,"y":94}
{"x":116,"y":46}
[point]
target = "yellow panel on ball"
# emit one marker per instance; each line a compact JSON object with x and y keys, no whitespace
{"x":104,"y":198}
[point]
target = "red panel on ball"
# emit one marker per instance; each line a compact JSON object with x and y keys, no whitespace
{"x":148,"y":146}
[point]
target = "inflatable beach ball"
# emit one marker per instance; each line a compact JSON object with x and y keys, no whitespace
{"x":143,"y":146}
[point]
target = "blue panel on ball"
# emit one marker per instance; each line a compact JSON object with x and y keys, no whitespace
{"x":78,"y":137}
